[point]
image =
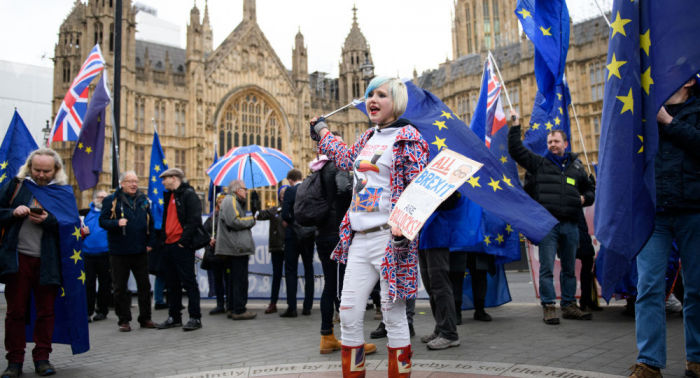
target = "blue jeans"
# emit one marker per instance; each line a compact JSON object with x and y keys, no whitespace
{"x":158,"y":288}
{"x":564,"y":237}
{"x":650,"y":307}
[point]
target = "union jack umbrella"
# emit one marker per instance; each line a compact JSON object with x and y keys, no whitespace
{"x":257,"y":166}
{"x":69,"y":119}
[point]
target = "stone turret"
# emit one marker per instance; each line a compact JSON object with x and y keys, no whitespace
{"x":353,"y":54}
{"x":300,"y":59}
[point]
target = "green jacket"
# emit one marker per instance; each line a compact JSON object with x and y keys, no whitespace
{"x":233,"y":235}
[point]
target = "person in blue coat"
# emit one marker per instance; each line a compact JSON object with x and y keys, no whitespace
{"x":96,"y":257}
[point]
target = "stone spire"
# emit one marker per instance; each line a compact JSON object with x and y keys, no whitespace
{"x":249,"y":10}
{"x":207,"y":34}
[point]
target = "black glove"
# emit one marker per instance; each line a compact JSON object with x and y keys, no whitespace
{"x":316,"y":125}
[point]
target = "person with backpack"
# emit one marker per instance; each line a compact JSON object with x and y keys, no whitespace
{"x":302,"y":245}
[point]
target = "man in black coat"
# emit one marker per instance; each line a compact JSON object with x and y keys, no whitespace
{"x":182,"y":217}
{"x":126,"y":215}
{"x":562,"y":186}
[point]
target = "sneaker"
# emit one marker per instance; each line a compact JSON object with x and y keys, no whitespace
{"x":44,"y":368}
{"x":169,"y":323}
{"x":642,"y":370}
{"x":192,"y":325}
{"x":160,"y":306}
{"x":379,"y":333}
{"x":148,"y":324}
{"x":440,"y":343}
{"x":482,"y":316}
{"x":411,"y":331}
{"x":217,"y":310}
{"x":272,"y":308}
{"x":571,"y":311}
{"x":673,"y":305}
{"x":244,"y":316}
{"x":13,"y":370}
{"x":99,"y":316}
{"x":692,"y":369}
{"x":125,"y":327}
{"x":378,"y":314}
{"x":550,"y":314}
{"x":428,"y":338}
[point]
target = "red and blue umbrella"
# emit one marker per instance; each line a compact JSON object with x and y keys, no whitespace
{"x":257,"y":166}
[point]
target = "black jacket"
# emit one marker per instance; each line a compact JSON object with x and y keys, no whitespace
{"x":277,"y":230}
{"x":189,"y":213}
{"x":140,"y":231}
{"x":298,"y":232}
{"x":337,"y":190}
{"x":677,"y":163}
{"x":558,"y":192}
{"x":50,"y":265}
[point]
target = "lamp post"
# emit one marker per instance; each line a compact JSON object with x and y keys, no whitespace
{"x":367,"y":69}
{"x":47,"y":131}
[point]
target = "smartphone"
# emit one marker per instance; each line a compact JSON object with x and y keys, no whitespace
{"x":36,"y":210}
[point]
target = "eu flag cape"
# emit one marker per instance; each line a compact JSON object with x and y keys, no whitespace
{"x":16,"y":146}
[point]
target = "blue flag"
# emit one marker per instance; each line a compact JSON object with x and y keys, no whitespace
{"x":542,"y":121}
{"x":213,"y":189}
{"x":652,"y":53}
{"x":491,"y":187}
{"x":16,"y":147}
{"x":546,"y":23}
{"x":89,"y":149}
{"x":71,"y":324}
{"x":155,"y":184}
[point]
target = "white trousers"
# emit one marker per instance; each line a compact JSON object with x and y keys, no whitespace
{"x":361,"y":274}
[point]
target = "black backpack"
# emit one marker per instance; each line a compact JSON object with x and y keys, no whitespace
{"x":310,"y":205}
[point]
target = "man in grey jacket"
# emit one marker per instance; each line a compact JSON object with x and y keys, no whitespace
{"x":235,"y":241}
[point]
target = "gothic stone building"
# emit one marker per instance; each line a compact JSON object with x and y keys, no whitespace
{"x":240,"y":93}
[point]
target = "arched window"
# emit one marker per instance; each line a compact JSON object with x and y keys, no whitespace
{"x":474,"y":25}
{"x":66,"y":72}
{"x":496,"y":25}
{"x":235,"y":140}
{"x":98,"y":33}
{"x":244,"y":142}
{"x":267,"y":141}
{"x":222,"y":144}
{"x":469,"y":31}
{"x":257,"y":140}
{"x":111,"y":36}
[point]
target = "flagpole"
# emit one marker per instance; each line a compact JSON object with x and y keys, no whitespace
{"x":602,"y":12}
{"x":503,"y":83}
{"x":583,"y":145}
{"x":155,"y":128}
{"x":213,"y":225}
{"x":116,"y":105}
{"x":115,"y":138}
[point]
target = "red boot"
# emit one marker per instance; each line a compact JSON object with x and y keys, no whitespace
{"x":400,"y":362}
{"x":353,"y":361}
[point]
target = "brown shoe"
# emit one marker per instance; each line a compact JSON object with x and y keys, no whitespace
{"x":329,"y":343}
{"x":692,"y":369}
{"x":148,"y":324}
{"x":550,"y":314}
{"x":271,"y":308}
{"x":571,"y":311}
{"x":125,"y":327}
{"x":642,"y":370}
{"x":370,"y":348}
{"x":244,"y":316}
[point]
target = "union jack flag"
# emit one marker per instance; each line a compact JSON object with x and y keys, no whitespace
{"x":69,"y":119}
{"x":495,"y":117}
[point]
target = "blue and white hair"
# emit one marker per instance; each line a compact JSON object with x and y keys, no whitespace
{"x":397,"y":91}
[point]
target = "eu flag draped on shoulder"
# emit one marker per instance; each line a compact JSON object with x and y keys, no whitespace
{"x":155,"y":185}
{"x":546,"y":23}
{"x":542,"y":121}
{"x":89,"y":149}
{"x":492,"y":189}
{"x":652,"y":52}
{"x":17,"y":144}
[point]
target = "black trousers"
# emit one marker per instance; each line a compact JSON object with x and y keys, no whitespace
{"x":221,"y":271}
{"x":121,"y":266}
{"x":238,"y":283}
{"x":277,"y":267}
{"x":329,"y":298}
{"x":178,"y":265}
{"x":305,"y":249}
{"x":98,"y":268}
{"x":434,"y":271}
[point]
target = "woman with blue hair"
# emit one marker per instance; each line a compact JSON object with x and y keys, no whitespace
{"x":384,"y":160}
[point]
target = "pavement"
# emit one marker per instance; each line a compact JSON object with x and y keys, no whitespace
{"x":515,"y":344}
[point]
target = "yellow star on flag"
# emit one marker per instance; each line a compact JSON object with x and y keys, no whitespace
{"x":82,"y":276}
{"x":160,"y":201}
{"x":628,"y":102}
{"x":561,"y":111}
{"x":156,"y":168}
{"x":647,"y":81}
{"x":549,"y":126}
{"x":3,"y":165}
{"x":440,"y":143}
{"x":618,"y":26}
{"x":614,"y":67}
{"x":535,"y":126}
{"x":545,"y":32}
{"x":645,"y":42}
{"x":495,"y":184}
{"x":446,"y":115}
{"x":63,"y":292}
{"x":88,"y":150}
{"x":440,"y":124}
{"x":3,"y":177}
{"x":507,"y":181}
{"x":76,"y":233}
{"x":557,"y":121}
{"x":503,"y":159}
{"x":499,"y":239}
{"x":525,"y":13}
{"x":165,"y":162}
{"x":80,"y":145}
{"x":153,"y":178}
{"x":641,"y":138}
{"x":559,"y":96}
{"x":487,"y":240}
{"x":474,"y":181}
{"x":155,"y":191}
{"x":76,"y":256}
{"x":509,"y":229}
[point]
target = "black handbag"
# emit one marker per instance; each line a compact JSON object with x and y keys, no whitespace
{"x":200,"y":239}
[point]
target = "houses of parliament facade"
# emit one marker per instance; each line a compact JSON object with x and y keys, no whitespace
{"x":204,"y":99}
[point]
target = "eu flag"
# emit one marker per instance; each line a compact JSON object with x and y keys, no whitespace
{"x":546,"y":23}
{"x":16,"y":147}
{"x":71,"y":323}
{"x":652,"y":52}
{"x":542,"y":121}
{"x":155,"y":184}
{"x":491,"y":188}
{"x":89,"y":149}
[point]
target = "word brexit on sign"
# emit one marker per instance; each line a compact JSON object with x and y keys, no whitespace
{"x":445,"y":173}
